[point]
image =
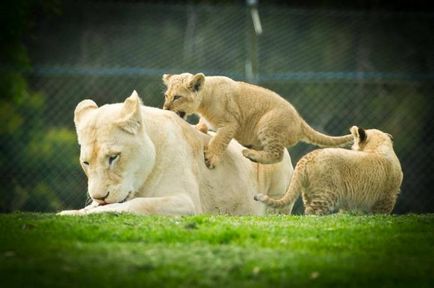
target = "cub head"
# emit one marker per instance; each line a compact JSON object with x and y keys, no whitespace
{"x":115,"y":152}
{"x":182,"y":94}
{"x":371,"y":140}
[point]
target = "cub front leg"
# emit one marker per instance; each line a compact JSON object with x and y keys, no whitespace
{"x":202,"y":126}
{"x":218,"y":144}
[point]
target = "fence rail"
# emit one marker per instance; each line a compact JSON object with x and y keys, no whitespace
{"x":338,"y":68}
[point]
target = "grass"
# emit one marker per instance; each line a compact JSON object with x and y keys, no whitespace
{"x":45,"y":250}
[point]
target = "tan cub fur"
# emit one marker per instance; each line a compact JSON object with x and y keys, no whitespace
{"x":257,"y":117}
{"x":367,"y":178}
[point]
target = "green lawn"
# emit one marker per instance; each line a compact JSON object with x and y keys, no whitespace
{"x":218,"y":251}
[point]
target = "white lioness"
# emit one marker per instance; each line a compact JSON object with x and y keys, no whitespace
{"x":146,"y":160}
{"x":257,"y":117}
{"x":365,"y":179}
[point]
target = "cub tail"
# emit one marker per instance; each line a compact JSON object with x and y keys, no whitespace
{"x":291,"y":194}
{"x":317,"y":138}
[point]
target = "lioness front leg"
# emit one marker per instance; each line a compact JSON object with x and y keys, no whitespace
{"x":80,"y":211}
{"x":171,"y":205}
{"x":218,"y":144}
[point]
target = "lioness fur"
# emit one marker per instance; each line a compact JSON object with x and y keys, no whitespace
{"x":257,"y":117}
{"x":366,"y":178}
{"x":145,"y":160}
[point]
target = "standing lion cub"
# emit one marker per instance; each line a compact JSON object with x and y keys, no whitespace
{"x":367,"y":178}
{"x":257,"y":117}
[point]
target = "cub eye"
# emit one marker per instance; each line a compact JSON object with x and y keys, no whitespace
{"x":176,"y":97}
{"x":86,"y":163}
{"x":112,"y":158}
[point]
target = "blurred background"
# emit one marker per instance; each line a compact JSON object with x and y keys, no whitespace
{"x":340,"y":63}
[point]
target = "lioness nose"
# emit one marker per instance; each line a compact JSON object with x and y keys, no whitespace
{"x":103,"y":197}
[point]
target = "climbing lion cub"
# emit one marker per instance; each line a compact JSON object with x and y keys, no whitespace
{"x":366,"y":178}
{"x":257,"y":117}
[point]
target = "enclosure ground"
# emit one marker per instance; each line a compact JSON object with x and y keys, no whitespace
{"x":216,"y":251}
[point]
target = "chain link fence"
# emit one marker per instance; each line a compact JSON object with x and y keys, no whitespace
{"x":371,"y":69}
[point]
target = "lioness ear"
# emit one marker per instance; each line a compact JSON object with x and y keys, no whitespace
{"x":362,"y":135}
{"x":131,"y":117}
{"x":82,"y":109}
{"x":165,"y":78}
{"x":197,"y":82}
{"x":359,"y":134}
{"x":390,"y":136}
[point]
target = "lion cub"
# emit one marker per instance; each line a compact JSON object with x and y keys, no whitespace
{"x":257,"y":117}
{"x":366,"y":178}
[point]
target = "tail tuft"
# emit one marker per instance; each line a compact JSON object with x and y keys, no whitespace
{"x":260,"y":197}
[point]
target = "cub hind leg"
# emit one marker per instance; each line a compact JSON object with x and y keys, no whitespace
{"x":272,"y":140}
{"x":272,"y":153}
{"x":319,"y":202}
{"x":385,"y":205}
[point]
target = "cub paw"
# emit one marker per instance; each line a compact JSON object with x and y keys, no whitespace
{"x":250,"y":154}
{"x":211,"y":160}
{"x":202,"y":128}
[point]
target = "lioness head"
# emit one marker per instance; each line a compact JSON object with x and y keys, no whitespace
{"x":182,"y":94}
{"x":115,"y":152}
{"x":370,"y":139}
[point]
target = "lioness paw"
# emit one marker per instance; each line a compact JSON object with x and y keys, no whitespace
{"x":71,"y":212}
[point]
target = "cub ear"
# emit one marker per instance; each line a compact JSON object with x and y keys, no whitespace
{"x":131,"y":117}
{"x":359,"y":134}
{"x":166,"y":78}
{"x":82,"y":109}
{"x":196,"y":83}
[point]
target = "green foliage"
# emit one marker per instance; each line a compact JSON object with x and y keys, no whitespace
{"x":32,"y":149}
{"x":216,"y":251}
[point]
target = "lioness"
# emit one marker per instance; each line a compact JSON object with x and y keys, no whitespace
{"x":366,"y":178}
{"x":146,"y":160}
{"x":257,"y":117}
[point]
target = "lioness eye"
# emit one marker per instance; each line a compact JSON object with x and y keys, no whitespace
{"x":113,"y":158}
{"x":86,"y":163}
{"x":176,"y":97}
